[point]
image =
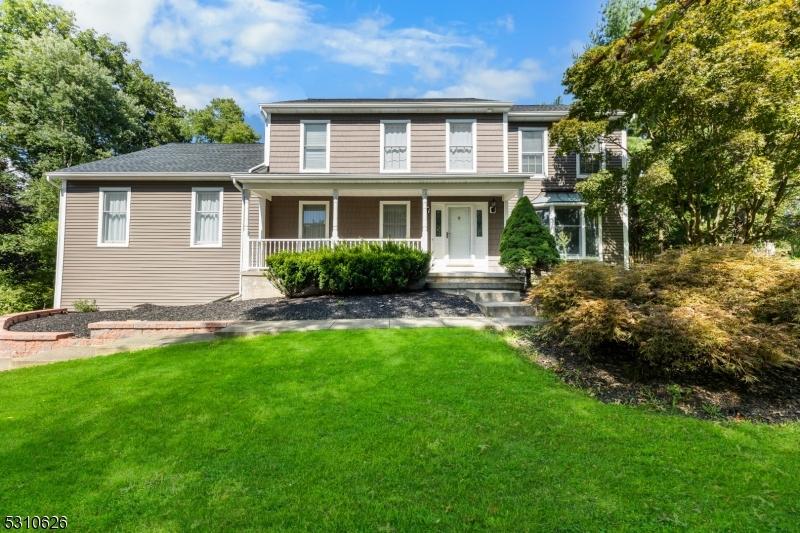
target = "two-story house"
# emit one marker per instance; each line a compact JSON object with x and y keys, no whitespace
{"x":192,"y":223}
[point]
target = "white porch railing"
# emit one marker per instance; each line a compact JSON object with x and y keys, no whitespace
{"x":260,"y":249}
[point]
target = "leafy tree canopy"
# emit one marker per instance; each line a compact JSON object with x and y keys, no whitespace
{"x":712,"y":85}
{"x":525,"y":243}
{"x":617,"y":18}
{"x":221,"y":121}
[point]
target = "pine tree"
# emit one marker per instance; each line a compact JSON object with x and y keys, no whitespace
{"x":525,"y":243}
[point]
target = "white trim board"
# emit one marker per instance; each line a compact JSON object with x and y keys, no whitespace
{"x":62,"y":220}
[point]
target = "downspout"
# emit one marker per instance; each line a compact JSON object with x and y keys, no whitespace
{"x":62,"y":219}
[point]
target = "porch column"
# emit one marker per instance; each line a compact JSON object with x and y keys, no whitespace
{"x":245,"y":246}
{"x":424,"y":236}
{"x":335,"y":217}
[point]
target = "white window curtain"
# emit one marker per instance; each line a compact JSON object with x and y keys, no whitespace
{"x":115,"y":217}
{"x":207,"y":217}
{"x":314,"y":146}
{"x":395,"y":219}
{"x":314,"y":221}
{"x":533,"y":151}
{"x":592,"y":237}
{"x":395,"y":148}
{"x":461,"y":146}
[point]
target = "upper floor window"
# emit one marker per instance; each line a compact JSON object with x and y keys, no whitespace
{"x":395,"y":144}
{"x":315,"y":151}
{"x":115,"y":216}
{"x":206,"y":216}
{"x":461,"y":145}
{"x":591,"y":161}
{"x":532,"y":153}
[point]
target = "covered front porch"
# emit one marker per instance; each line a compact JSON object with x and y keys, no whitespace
{"x":459,"y":220}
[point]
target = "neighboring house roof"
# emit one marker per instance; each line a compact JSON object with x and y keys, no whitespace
{"x":378,"y":100}
{"x":540,"y":107}
{"x":179,"y":157}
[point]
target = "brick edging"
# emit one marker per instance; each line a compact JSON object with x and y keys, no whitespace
{"x":9,"y":320}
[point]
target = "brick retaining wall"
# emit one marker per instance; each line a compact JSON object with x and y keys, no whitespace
{"x":18,"y":344}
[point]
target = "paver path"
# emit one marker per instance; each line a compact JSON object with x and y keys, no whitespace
{"x":246,"y":327}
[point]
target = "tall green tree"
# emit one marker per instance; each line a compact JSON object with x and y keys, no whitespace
{"x":221,"y":121}
{"x":618,"y":16}
{"x":525,"y":244}
{"x":712,"y":84}
{"x":66,"y":97}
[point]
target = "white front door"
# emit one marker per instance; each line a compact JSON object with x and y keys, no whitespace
{"x":459,"y":238}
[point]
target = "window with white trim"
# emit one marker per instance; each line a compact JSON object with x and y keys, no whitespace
{"x":461,"y":145}
{"x":114,"y":216}
{"x":206,"y":216}
{"x":532,"y":150}
{"x":395,"y":140}
{"x":316,"y":143}
{"x":313,"y":221}
{"x":395,"y":220}
{"x":592,"y":161}
{"x":578,"y":235}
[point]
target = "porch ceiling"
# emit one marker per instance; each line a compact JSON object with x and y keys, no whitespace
{"x":383,"y":185}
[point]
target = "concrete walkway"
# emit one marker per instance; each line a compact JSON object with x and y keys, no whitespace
{"x":246,"y":328}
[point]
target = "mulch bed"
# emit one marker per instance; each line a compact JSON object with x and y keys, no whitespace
{"x":405,"y":305}
{"x":774,"y":399}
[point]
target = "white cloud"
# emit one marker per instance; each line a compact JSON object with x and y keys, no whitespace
{"x":504,"y":84}
{"x":200,"y":95}
{"x":124,"y":20}
{"x":506,"y":22}
{"x":250,"y":32}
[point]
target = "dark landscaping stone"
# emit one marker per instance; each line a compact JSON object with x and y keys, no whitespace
{"x":404,"y":305}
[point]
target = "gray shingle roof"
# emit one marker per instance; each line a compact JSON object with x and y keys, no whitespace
{"x":180,"y":157}
{"x":541,"y":107}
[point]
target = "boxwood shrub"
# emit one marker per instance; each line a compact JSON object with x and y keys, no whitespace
{"x":365,"y":268}
{"x":721,"y":310}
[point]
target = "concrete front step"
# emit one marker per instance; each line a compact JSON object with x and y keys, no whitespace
{"x":462,"y":281}
{"x":485,"y":296}
{"x":505,"y":309}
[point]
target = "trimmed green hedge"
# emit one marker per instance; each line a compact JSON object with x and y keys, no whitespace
{"x":366,"y":268}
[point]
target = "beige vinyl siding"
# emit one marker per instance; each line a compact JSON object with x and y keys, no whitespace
{"x":158,"y":266}
{"x":560,"y":169}
{"x":355,"y":142}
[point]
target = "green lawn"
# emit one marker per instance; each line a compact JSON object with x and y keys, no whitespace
{"x":370,"y":430}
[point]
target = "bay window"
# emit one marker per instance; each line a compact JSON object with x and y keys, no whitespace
{"x":206,"y":227}
{"x":532,"y":152}
{"x":315,"y":149}
{"x":395,"y":220}
{"x":461,"y":145}
{"x":395,"y":143}
{"x":577,"y":234}
{"x":114,"y":217}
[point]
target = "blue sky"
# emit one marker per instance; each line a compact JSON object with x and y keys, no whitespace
{"x":265,"y":50}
